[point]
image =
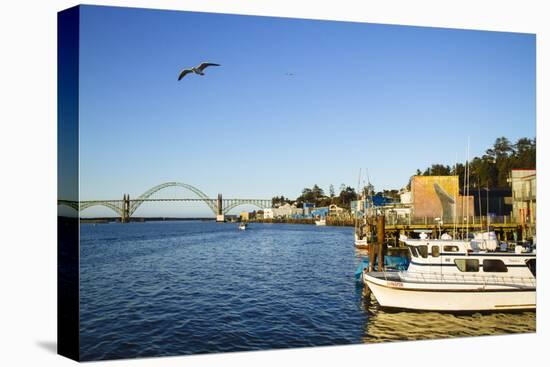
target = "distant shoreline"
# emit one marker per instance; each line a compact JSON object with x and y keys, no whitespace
{"x":310,"y":221}
{"x":143,"y":219}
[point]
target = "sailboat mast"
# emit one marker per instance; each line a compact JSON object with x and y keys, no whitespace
{"x":455,"y":197}
{"x":468,"y":189}
{"x":358,"y":200}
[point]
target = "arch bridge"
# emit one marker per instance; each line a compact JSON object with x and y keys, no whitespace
{"x":126,"y":207}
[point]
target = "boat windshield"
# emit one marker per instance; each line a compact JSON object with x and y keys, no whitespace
{"x":423,"y":251}
{"x":413,"y":251}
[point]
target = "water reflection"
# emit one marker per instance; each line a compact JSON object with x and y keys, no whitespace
{"x":385,"y":325}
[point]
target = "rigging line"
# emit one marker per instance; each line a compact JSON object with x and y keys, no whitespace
{"x":455,"y":196}
{"x":463,"y":197}
{"x":468,"y":197}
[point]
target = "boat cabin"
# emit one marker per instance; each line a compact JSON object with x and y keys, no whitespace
{"x":461,"y":256}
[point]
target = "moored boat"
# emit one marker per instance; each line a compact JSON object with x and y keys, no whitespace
{"x":458,"y":275}
{"x":361,"y":242}
{"x":391,"y":263}
{"x":243,"y":226}
{"x":321,"y":222}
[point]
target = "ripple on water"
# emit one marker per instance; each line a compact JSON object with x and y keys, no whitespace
{"x":170,"y":288}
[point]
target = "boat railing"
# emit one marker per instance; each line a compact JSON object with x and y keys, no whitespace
{"x":480,"y":221}
{"x":457,"y":278}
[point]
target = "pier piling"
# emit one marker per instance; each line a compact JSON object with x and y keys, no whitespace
{"x":381,"y":230}
{"x":372,"y":249}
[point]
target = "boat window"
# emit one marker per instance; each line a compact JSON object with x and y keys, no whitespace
{"x":494,"y":266}
{"x":423,"y":251}
{"x":435,"y":251}
{"x":467,"y":265}
{"x":449,"y":248}
{"x":532,"y":265}
{"x":414,"y":253}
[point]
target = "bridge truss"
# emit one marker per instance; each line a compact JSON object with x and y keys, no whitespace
{"x":126,"y":207}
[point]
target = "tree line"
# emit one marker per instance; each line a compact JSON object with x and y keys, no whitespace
{"x":493,"y":168}
{"x":317,"y":196}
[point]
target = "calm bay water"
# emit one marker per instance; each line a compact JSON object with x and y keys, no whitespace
{"x":172,"y":288}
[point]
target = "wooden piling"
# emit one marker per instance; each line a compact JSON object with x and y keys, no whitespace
{"x":372,"y":246}
{"x":381,"y":231}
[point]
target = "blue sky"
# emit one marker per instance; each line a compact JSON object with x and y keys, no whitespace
{"x":388,"y":98}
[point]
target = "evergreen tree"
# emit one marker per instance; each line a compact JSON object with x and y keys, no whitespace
{"x":493,"y":168}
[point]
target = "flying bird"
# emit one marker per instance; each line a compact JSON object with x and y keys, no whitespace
{"x":197,"y":70}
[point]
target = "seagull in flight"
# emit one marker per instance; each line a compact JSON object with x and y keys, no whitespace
{"x":197,"y":70}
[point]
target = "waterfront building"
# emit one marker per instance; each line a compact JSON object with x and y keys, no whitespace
{"x":405,"y":197}
{"x":286,"y":211}
{"x":500,"y":201}
{"x":396,"y":213}
{"x":282,"y":211}
{"x":295,"y":211}
{"x":335,"y":211}
{"x":524,"y":196}
{"x":307,"y":208}
{"x":439,"y":197}
{"x":244,"y":216}
{"x":320,"y":212}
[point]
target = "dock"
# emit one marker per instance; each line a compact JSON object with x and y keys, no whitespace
{"x":504,"y":227}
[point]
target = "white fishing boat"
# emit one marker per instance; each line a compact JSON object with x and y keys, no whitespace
{"x":321,"y":222}
{"x":361,"y":241}
{"x":243,"y":226}
{"x":459,"y":275}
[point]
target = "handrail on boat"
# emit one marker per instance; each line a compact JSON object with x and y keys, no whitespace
{"x":460,"y":278}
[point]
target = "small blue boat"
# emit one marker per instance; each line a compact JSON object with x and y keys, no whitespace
{"x":390,"y":263}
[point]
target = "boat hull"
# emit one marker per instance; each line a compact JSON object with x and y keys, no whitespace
{"x":361,"y":244}
{"x":431,"y":297}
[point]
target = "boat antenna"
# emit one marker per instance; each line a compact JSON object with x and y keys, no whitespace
{"x":468,"y":190}
{"x":358,"y":199}
{"x":463,"y":199}
{"x":368,"y":191}
{"x":488,"y":220}
{"x":359,"y":182}
{"x":479,"y":203}
{"x":455,"y":197}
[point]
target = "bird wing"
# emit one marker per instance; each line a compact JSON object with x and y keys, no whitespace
{"x":204,"y":65}
{"x":184,"y":72}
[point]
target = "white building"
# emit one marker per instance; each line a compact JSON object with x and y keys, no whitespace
{"x":285,"y":211}
{"x":335,"y":210}
{"x":406,"y":197}
{"x":524,"y":195}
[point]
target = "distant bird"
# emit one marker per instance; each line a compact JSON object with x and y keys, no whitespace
{"x":197,"y":70}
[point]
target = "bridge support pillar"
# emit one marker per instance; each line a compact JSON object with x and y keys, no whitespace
{"x":220,"y":217}
{"x":125,"y":209}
